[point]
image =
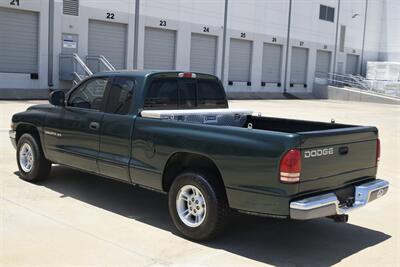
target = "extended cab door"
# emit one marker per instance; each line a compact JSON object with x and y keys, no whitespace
{"x":72,"y":133}
{"x":116,"y":129}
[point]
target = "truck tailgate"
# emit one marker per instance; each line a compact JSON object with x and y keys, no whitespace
{"x":334,"y":158}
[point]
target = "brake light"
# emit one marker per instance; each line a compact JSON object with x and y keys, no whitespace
{"x":378,"y":151}
{"x":290,"y":166}
{"x":187,"y":75}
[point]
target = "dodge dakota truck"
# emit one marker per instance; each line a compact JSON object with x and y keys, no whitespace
{"x":173,"y":132}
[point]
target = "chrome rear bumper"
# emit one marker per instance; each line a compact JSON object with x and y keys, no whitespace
{"x":328,"y":204}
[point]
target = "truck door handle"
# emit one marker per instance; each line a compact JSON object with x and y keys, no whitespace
{"x":94,"y":125}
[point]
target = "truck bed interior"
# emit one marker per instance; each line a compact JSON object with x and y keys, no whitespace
{"x":242,"y":118}
{"x":290,"y":125}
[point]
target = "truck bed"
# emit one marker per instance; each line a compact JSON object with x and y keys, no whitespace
{"x":333,"y":154}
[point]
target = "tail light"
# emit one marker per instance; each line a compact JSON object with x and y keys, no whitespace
{"x":290,"y":166}
{"x":378,"y":151}
{"x":187,"y":75}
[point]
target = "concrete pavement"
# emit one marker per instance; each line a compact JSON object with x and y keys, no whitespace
{"x":80,"y":219}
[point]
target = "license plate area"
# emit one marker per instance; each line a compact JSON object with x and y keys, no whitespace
{"x":346,"y":196}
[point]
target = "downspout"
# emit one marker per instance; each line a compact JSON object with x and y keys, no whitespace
{"x":287,"y":46}
{"x":224,"y":41}
{"x":50,"y":45}
{"x":336,"y":41}
{"x":136,"y":35}
{"x":363,"y":41}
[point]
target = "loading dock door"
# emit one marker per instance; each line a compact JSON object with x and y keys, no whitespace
{"x":323,"y":64}
{"x":299,"y":63}
{"x":271,"y":63}
{"x":19,"y":35}
{"x":203,"y":53}
{"x":107,"y":39}
{"x":352,"y":64}
{"x":240,"y":60}
{"x":159,"y":49}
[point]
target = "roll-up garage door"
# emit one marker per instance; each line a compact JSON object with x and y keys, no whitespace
{"x":352,"y":64}
{"x":107,"y":39}
{"x":323,"y":64}
{"x":299,"y":63}
{"x":203,"y":53}
{"x":19,"y":35}
{"x":271,"y":63}
{"x":240,"y":60}
{"x":159,"y":49}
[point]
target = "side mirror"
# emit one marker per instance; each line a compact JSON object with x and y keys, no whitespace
{"x":57,"y":98}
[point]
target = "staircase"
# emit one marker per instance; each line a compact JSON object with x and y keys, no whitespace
{"x":72,"y":67}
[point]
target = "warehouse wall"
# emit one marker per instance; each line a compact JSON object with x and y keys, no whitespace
{"x":123,"y":11}
{"x":24,"y":80}
{"x":390,"y":40}
{"x":260,"y":23}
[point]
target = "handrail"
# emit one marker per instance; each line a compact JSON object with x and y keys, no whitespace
{"x":76,"y":75}
{"x":359,"y":82}
{"x":107,"y":62}
{"x":78,"y":60}
{"x":102,"y":59}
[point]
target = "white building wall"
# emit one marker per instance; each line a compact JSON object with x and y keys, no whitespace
{"x":185,"y":17}
{"x":308,"y":31}
{"x":373,"y":32}
{"x":352,"y":14}
{"x":262,"y":22}
{"x":66,"y":24}
{"x":390,"y":38}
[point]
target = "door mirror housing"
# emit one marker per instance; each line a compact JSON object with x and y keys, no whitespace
{"x":57,"y":98}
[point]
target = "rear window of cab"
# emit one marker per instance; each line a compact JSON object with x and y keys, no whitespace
{"x":185,"y":93}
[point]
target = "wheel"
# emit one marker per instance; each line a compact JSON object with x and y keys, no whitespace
{"x":32,"y":164}
{"x":198,"y":206}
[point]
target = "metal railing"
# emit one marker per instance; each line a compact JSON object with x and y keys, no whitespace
{"x":80,"y":70}
{"x":387,"y":88}
{"x":73,"y":68}
{"x":100,"y":61}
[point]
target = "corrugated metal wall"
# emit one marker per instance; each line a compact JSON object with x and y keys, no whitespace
{"x":203,"y":53}
{"x":240,"y":60}
{"x":107,"y":39}
{"x":19,"y":35}
{"x":159,"y":49}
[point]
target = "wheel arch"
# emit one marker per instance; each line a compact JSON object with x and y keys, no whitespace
{"x":24,"y":128}
{"x":183,"y":161}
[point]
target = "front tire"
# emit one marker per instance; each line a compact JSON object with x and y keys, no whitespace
{"x":197,"y":206}
{"x":32,"y":164}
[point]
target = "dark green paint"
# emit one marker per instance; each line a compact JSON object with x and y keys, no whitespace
{"x":135,"y":149}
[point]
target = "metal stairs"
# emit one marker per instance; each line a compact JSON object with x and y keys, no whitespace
{"x":81,"y":69}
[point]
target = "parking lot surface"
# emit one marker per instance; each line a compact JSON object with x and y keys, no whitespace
{"x":75,"y":218}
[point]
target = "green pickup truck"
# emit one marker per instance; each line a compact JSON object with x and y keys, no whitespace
{"x":173,"y":132}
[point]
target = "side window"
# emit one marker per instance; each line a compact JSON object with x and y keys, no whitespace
{"x":89,"y":95}
{"x":162,"y":94}
{"x":187,"y":93}
{"x":211,"y":95}
{"x":121,"y":93}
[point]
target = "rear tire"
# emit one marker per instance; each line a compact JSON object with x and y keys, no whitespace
{"x":198,"y":206}
{"x":32,"y":164}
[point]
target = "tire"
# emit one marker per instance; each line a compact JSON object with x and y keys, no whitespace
{"x":32,"y":164}
{"x":211,"y":216}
